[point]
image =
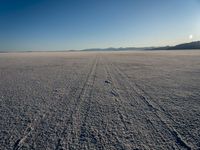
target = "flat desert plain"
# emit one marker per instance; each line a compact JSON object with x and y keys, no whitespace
{"x":100,"y":100}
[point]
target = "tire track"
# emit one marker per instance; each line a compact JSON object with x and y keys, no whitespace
{"x":101,"y":136}
{"x":118,"y":98}
{"x":31,"y":132}
{"x":137,"y":104}
{"x":120,"y":109}
{"x":89,"y":135}
{"x":30,"y":128}
{"x":122,"y":104}
{"x":160,"y":109}
{"x":85,"y":133}
{"x":74,"y":117}
{"x":178,"y":140}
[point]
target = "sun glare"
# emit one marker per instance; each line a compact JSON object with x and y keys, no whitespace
{"x":190,"y":37}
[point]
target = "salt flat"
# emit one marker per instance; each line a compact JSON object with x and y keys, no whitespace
{"x":100,"y":100}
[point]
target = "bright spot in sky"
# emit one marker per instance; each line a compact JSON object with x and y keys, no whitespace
{"x":191,"y":36}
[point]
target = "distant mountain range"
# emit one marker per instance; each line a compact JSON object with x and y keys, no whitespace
{"x":184,"y":46}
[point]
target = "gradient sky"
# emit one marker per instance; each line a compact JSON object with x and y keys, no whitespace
{"x":80,"y":24}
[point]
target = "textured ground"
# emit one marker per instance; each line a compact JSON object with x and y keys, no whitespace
{"x":100,"y":100}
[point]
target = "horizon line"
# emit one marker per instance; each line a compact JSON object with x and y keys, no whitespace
{"x":104,"y":48}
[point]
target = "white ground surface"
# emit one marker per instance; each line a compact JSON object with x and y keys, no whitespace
{"x":100,"y":100}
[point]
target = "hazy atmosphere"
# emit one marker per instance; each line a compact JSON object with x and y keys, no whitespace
{"x":76,"y":24}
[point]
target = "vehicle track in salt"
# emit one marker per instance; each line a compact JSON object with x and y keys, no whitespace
{"x":35,"y":124}
{"x":72,"y":126}
{"x":30,"y":128}
{"x":125,"y":104}
{"x":120,"y":109}
{"x":154,"y":108}
{"x":159,"y":111}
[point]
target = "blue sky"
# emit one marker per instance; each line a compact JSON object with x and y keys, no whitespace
{"x":80,"y":24}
